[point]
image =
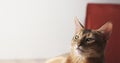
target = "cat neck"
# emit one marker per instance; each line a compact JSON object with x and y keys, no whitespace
{"x":81,"y":59}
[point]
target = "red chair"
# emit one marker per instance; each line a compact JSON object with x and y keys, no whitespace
{"x":97,"y":15}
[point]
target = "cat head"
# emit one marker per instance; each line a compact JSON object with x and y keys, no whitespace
{"x":88,"y":42}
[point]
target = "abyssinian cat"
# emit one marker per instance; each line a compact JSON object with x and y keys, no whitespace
{"x":87,"y":45}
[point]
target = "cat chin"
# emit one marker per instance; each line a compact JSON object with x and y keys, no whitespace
{"x":82,"y":53}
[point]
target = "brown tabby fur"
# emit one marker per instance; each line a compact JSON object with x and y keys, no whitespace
{"x":87,"y":45}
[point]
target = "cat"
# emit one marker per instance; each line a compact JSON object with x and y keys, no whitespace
{"x":87,"y":45}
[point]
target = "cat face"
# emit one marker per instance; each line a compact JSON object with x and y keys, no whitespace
{"x":90,"y":43}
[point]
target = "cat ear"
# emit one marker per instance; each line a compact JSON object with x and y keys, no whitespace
{"x":78,"y":25}
{"x":106,"y":29}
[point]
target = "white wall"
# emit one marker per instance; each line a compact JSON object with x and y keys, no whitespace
{"x":39,"y":28}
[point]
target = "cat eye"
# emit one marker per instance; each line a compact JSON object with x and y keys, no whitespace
{"x":90,"y":40}
{"x":76,"y":37}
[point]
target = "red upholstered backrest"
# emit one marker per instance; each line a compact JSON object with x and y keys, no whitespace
{"x":97,"y":15}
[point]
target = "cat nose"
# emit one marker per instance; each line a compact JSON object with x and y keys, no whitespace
{"x":77,"y":46}
{"x":80,"y":44}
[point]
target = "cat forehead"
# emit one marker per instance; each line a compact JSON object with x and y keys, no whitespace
{"x":87,"y":32}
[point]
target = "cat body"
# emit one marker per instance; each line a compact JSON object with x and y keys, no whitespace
{"x":87,"y":46}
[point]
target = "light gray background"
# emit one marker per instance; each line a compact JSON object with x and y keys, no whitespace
{"x":39,"y":28}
